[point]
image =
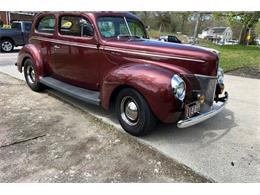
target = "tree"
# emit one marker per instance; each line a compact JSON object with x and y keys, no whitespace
{"x":257,"y":29}
{"x":163,"y":20}
{"x":184,"y":18}
{"x":196,"y":29}
{"x":247,"y":20}
{"x":145,"y":16}
{"x":200,"y":17}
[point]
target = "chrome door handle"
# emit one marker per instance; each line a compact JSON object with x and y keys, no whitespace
{"x":56,"y":47}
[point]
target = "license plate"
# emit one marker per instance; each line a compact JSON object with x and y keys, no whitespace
{"x":191,"y":109}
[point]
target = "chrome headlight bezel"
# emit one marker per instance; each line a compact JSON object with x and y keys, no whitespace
{"x":220,"y":76}
{"x":179,"y":87}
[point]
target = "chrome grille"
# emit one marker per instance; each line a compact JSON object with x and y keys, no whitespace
{"x":208,"y":87}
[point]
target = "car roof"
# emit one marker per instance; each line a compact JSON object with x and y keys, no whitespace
{"x":96,"y":14}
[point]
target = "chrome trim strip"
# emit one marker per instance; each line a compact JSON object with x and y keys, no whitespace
{"x":205,"y":76}
{"x":202,"y":117}
{"x":158,"y":55}
{"x":92,"y":46}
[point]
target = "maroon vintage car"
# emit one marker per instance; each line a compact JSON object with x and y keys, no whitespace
{"x":106,"y":59}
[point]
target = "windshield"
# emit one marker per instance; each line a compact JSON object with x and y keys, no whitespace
{"x":111,"y":27}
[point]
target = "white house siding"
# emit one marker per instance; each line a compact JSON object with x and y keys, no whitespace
{"x":217,"y":34}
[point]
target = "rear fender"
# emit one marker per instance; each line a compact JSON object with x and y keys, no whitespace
{"x":30,"y":51}
{"x":153,"y":82}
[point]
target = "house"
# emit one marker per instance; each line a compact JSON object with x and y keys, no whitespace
{"x":6,"y":18}
{"x":217,"y":34}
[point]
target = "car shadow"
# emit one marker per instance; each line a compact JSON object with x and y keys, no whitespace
{"x":203,"y":134}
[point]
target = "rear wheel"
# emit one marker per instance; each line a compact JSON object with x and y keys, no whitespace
{"x":30,"y":76}
{"x":133,"y":112}
{"x":7,"y":45}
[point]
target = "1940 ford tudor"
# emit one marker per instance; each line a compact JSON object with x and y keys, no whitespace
{"x":106,"y":59}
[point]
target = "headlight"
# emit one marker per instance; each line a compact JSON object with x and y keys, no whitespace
{"x":220,"y":76}
{"x":178,"y":86}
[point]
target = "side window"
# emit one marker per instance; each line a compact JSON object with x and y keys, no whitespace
{"x":172,"y":39}
{"x":123,"y":29}
{"x":75,"y":26}
{"x":16,"y":26}
{"x":27,"y":26}
{"x":107,"y":28}
{"x":46,"y":25}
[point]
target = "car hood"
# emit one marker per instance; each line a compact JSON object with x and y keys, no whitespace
{"x":193,"y":59}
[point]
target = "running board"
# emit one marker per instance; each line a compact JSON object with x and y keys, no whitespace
{"x":85,"y":95}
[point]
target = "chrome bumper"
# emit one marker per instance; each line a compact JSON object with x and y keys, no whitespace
{"x":204,"y":116}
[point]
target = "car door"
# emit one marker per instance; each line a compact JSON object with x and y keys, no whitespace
{"x":27,"y":31}
{"x":17,"y":33}
{"x":76,"y":52}
{"x":42,"y":37}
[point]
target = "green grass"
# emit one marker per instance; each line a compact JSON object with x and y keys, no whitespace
{"x":232,"y":56}
{"x":236,"y":56}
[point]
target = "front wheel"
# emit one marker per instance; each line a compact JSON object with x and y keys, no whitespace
{"x":30,"y":76}
{"x":133,"y":112}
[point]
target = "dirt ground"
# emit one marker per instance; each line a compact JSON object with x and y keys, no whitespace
{"x":249,"y":72}
{"x":43,"y":139}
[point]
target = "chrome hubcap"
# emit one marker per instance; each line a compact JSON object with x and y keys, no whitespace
{"x":129,"y":111}
{"x":7,"y":46}
{"x":30,"y":74}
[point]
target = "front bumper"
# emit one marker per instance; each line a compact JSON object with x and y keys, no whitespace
{"x":204,"y":116}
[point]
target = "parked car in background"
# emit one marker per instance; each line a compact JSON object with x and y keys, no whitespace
{"x":18,"y":35}
{"x":231,"y":42}
{"x":169,"y":38}
{"x":105,"y":58}
{"x":228,"y":42}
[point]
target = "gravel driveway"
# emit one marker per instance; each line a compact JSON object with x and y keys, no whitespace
{"x":43,"y":139}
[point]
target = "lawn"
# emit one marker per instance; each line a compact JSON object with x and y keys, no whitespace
{"x":232,"y":56}
{"x":236,"y":56}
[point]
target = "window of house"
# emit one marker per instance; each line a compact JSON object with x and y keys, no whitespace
{"x":75,"y":26}
{"x":46,"y":25}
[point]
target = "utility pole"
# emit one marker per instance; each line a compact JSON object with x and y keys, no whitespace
{"x":9,"y":18}
{"x":195,"y":34}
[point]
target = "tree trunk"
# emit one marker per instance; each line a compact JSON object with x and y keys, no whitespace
{"x":160,"y":29}
{"x":195,"y":35}
{"x":242,"y":35}
{"x":182,"y":25}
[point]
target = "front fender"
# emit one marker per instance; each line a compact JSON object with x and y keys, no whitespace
{"x":153,"y":82}
{"x":30,"y":51}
